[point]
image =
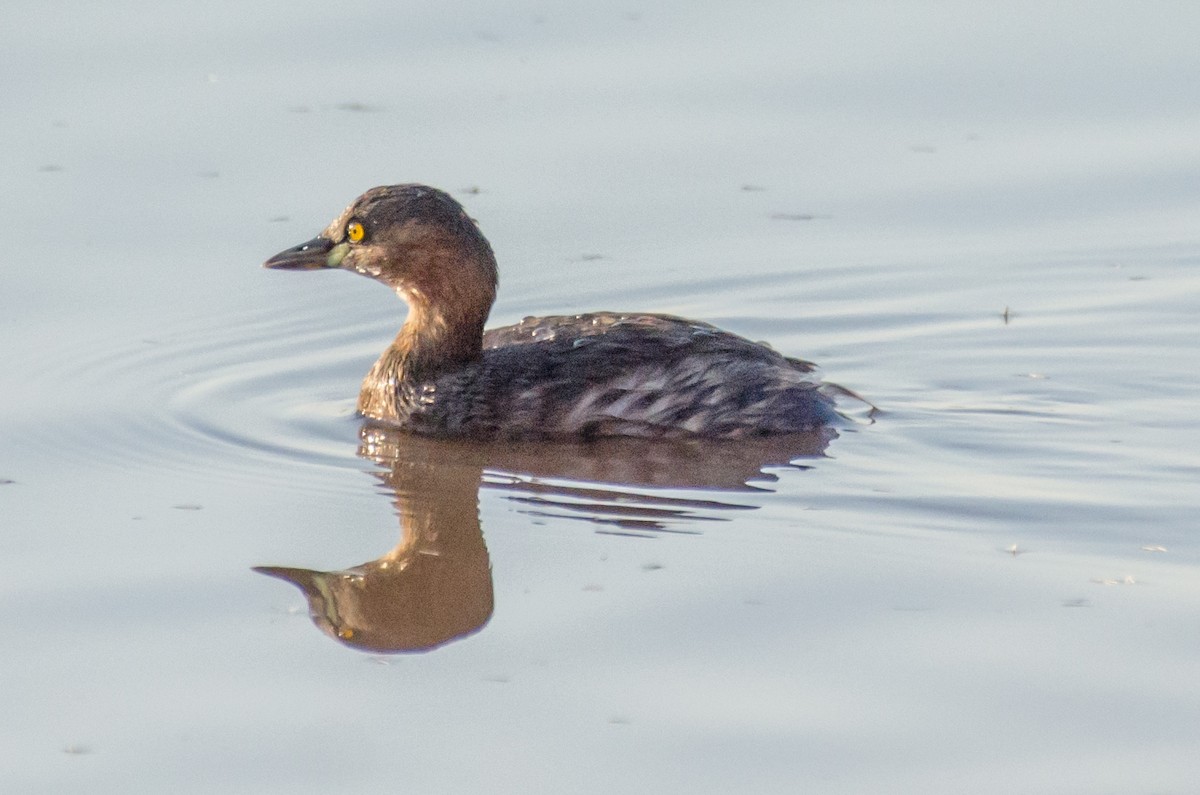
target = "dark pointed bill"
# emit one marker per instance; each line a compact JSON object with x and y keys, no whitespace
{"x":304,"y":257}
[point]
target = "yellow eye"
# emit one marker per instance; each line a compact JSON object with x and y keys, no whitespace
{"x":355,"y":231}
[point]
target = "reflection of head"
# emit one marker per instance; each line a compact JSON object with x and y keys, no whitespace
{"x":435,"y":586}
{"x":391,"y":605}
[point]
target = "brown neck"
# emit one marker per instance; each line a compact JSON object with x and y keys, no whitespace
{"x":434,"y":339}
{"x":431,"y":341}
{"x":449,"y":284}
{"x":449,"y":287}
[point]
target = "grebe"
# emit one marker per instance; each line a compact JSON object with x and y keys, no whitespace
{"x":580,"y":376}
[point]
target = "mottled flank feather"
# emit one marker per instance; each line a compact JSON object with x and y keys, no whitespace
{"x":608,"y":374}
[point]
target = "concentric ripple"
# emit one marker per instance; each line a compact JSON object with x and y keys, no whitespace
{"x":264,"y":399}
{"x":232,"y":397}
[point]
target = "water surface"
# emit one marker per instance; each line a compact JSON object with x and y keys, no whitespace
{"x":984,"y":222}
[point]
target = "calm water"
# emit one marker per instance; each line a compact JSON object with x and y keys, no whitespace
{"x":987,"y":222}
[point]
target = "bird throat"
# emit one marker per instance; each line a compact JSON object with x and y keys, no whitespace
{"x":429,"y":344}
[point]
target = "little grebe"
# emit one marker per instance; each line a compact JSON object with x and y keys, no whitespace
{"x":583,"y":376}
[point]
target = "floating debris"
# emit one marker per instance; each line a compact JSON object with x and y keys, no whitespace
{"x":1126,"y":580}
{"x":358,"y":107}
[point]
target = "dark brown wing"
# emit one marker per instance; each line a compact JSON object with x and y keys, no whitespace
{"x":612,"y":374}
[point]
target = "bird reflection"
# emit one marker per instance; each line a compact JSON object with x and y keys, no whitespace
{"x":435,"y":586}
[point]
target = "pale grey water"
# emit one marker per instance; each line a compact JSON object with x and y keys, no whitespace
{"x":994,"y":588}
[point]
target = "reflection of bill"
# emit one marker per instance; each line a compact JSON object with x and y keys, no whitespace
{"x":436,"y":585}
{"x":433,"y":587}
